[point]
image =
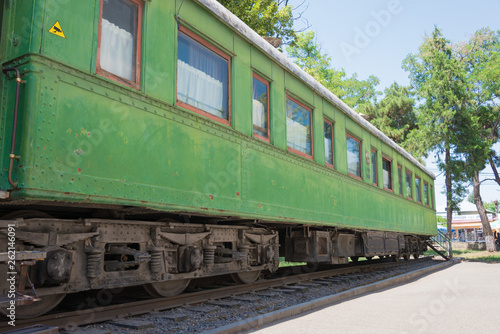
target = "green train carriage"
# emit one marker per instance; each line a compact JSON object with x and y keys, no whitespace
{"x":159,"y":141}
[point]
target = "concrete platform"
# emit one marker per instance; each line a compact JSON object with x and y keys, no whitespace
{"x":464,"y":298}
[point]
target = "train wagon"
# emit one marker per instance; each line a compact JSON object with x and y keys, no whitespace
{"x":154,"y":142}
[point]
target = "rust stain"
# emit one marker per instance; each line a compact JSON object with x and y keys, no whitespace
{"x":211,"y":196}
{"x":88,"y":134}
{"x":79,"y":169}
{"x":260,"y":205}
{"x":237,"y":193}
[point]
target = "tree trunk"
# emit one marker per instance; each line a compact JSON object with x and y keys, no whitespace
{"x":449,"y":194}
{"x":494,"y":168}
{"x":488,"y":234}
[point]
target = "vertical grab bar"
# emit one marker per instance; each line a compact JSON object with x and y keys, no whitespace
{"x":12,"y":154}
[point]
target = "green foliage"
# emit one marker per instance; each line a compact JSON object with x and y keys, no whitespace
{"x":306,"y":53}
{"x":458,"y":118}
{"x":266,"y":17}
{"x":394,"y":115}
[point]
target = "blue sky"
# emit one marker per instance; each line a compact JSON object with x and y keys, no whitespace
{"x":372,"y":37}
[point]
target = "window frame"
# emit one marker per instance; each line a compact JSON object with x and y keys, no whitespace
{"x":374,"y":166}
{"x":409,"y":196}
{"x":360,"y":157}
{"x":418,"y":191}
{"x":138,"y":56}
{"x":391,"y":182}
{"x":431,"y":197}
{"x":400,"y":179}
{"x":426,"y":197}
{"x":220,"y":53}
{"x":326,"y":120}
{"x":302,"y":154}
{"x":256,"y":135}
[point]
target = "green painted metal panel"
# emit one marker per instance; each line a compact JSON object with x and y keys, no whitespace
{"x":159,"y":62}
{"x":298,"y":90}
{"x":73,"y":17}
{"x":261,"y":63}
{"x":241,"y":97}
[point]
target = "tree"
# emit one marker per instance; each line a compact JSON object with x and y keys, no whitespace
{"x":438,"y":78}
{"x":394,"y":115}
{"x":460,"y":86}
{"x":306,"y":53}
{"x":269,"y":18}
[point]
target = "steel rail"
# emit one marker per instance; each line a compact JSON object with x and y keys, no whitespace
{"x":100,"y":314}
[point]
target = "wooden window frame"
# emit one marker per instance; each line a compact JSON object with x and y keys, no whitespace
{"x":410,"y":197}
{"x":302,"y":154}
{"x":220,"y":53}
{"x":374,"y":166}
{"x":416,"y":190}
{"x":400,"y":173}
{"x":256,"y":135}
{"x":326,"y":120}
{"x":134,"y":84}
{"x":360,"y":156}
{"x":428,"y":202}
{"x":391,"y":183}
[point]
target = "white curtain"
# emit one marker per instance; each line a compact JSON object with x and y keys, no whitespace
{"x":200,"y":90}
{"x":117,"y":50}
{"x":296,"y":134}
{"x":328,"y":150}
{"x":259,"y":114}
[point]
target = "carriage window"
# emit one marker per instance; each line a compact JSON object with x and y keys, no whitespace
{"x":431,"y":204}
{"x":400,"y":179}
{"x":298,"y":128}
{"x":417,"y":189}
{"x":409,"y":193}
{"x":353,"y":156}
{"x":329,"y":143}
{"x":387,"y":173}
{"x":119,"y":51}
{"x":426,"y":193}
{"x":374,"y":167}
{"x":260,"y":107}
{"x":202,"y":77}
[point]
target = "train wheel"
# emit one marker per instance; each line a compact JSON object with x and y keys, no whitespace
{"x":406,"y":256}
{"x":416,"y":255}
{"x":354,"y":258}
{"x":166,"y":289}
{"x":369,"y":258}
{"x":246,"y":277}
{"x":36,"y":309}
{"x":46,"y":303}
{"x":395,"y":258}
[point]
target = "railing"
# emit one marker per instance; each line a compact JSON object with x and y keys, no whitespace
{"x":443,"y":242}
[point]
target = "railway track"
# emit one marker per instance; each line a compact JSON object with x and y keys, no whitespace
{"x":287,"y":278}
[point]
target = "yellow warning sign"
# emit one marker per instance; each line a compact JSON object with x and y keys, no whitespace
{"x":57,"y":30}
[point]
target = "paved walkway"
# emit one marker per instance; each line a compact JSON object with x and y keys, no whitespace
{"x":464,"y":298}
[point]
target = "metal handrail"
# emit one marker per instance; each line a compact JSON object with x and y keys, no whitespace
{"x":444,"y":242}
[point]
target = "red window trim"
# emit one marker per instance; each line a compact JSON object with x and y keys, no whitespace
{"x":256,"y":135}
{"x":376,"y":167}
{"x":310,"y":157}
{"x":384,"y":157}
{"x":420,"y":183}
{"x":134,"y":84}
{"x":411,"y":184}
{"x":360,"y":161}
{"x":221,"y":54}
{"x":428,"y":202}
{"x":333,"y":146}
{"x":400,"y":168}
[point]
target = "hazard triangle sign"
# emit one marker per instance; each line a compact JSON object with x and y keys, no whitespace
{"x":57,"y":30}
